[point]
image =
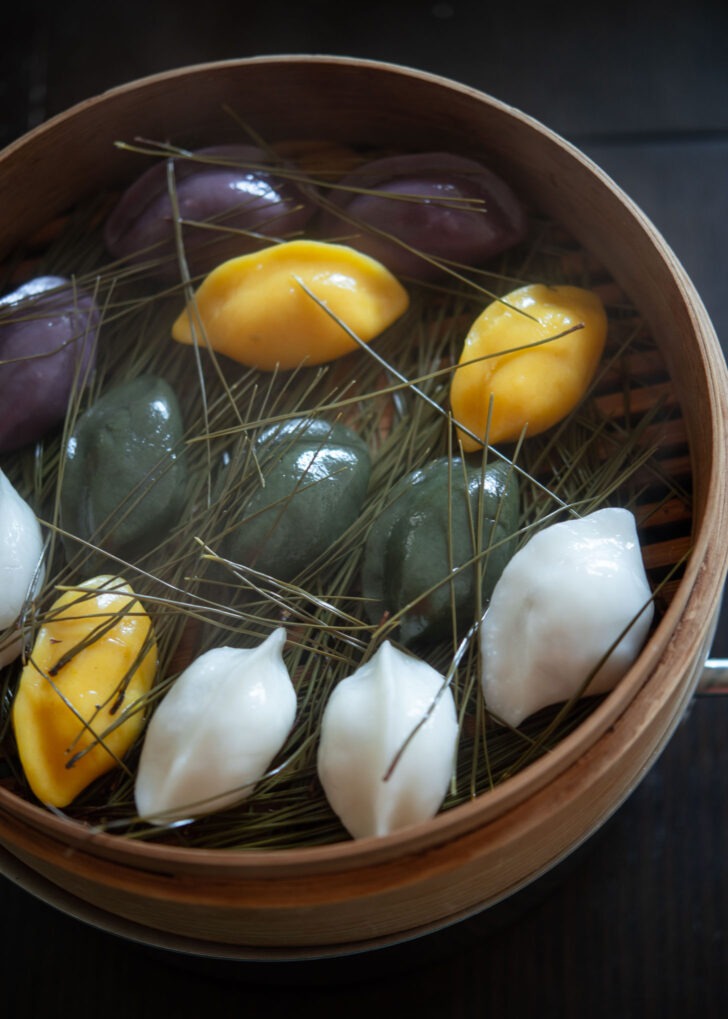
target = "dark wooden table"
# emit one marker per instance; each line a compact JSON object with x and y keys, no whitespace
{"x":636,"y":923}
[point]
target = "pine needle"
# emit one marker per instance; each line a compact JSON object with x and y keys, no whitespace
{"x":622,"y":446}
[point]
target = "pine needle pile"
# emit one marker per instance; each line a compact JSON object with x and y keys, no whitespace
{"x":624,"y":445}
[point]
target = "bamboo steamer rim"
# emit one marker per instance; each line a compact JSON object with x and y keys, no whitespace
{"x":670,"y":651}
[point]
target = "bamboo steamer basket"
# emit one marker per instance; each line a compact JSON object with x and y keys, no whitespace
{"x":322,"y":902}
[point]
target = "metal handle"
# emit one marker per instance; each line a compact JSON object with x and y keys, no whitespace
{"x":715,"y":676}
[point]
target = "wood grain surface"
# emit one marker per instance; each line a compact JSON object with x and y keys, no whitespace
{"x":636,"y":923}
